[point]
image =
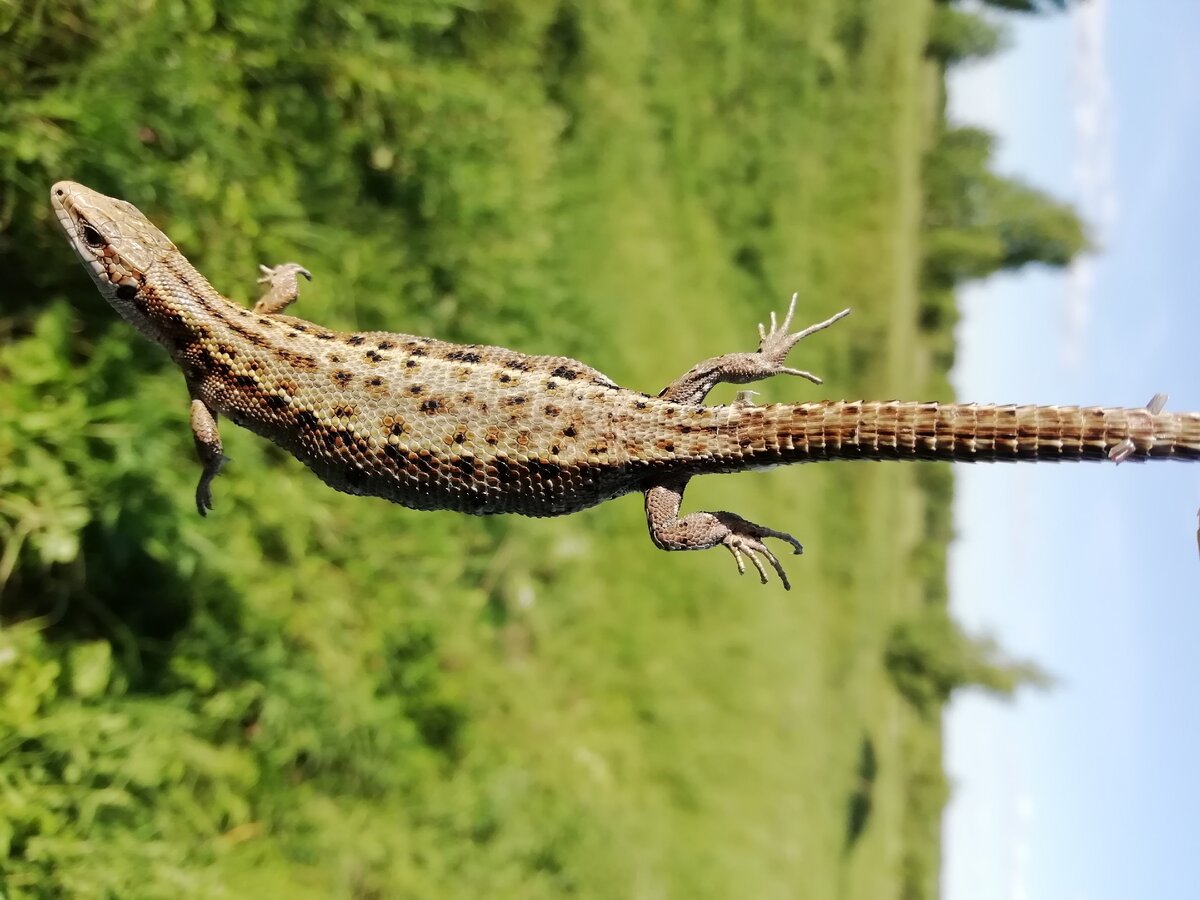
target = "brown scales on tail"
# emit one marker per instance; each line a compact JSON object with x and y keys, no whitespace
{"x":809,"y":432}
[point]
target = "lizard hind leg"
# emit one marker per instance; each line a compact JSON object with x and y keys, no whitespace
{"x":283,"y":287}
{"x":703,"y":530}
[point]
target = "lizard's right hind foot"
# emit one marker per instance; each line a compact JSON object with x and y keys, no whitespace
{"x":282,"y":287}
{"x":704,"y":530}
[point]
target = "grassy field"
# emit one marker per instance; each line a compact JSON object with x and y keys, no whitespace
{"x":311,"y":695}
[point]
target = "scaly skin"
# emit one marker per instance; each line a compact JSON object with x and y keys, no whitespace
{"x":477,"y":429}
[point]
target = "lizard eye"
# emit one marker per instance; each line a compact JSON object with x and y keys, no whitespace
{"x":91,"y":236}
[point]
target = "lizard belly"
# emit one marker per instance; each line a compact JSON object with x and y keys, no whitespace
{"x":479,"y":448}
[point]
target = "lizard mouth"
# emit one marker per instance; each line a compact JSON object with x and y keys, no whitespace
{"x":73,"y":224}
{"x":115,"y":242}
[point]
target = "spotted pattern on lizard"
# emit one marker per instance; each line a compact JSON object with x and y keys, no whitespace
{"x":479,"y":429}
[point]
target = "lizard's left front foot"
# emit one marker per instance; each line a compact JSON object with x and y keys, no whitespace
{"x":282,"y":287}
{"x":744,"y":540}
{"x":775,"y":345}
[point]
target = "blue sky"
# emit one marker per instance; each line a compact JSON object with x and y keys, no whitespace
{"x":1091,"y":790}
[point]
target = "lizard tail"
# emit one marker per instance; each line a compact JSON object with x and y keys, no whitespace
{"x":749,"y":437}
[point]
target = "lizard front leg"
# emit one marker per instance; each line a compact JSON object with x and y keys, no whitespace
{"x":208,"y":448}
{"x":282,"y":287}
{"x":703,"y":530}
{"x":742,"y":368}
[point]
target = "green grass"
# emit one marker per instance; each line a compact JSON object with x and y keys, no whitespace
{"x":314,"y":695}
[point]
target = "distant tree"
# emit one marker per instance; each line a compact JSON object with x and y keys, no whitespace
{"x":955,"y":36}
{"x":1028,"y":6}
{"x":978,"y":222}
{"x":1031,"y":6}
{"x":929,"y":657}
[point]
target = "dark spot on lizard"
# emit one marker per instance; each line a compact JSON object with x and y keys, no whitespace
{"x":396,"y":428}
{"x":504,"y":378}
{"x":569,"y":431}
{"x":431,"y":406}
{"x":306,"y":418}
{"x":502,"y":469}
{"x":514,"y":401}
{"x":517,"y":364}
{"x":466,"y":465}
{"x":565,"y":372}
{"x":343,"y":378}
{"x":641,"y":404}
{"x":415,"y":389}
{"x":374,"y":356}
{"x":598,"y":450}
{"x":297,"y":360}
{"x":416,"y":350}
{"x":245,"y":381}
{"x":355,"y":340}
{"x":543,"y":471}
{"x":375,"y":382}
{"x":554,"y":449}
{"x":275,"y":401}
{"x":410,"y":364}
{"x":263,"y":320}
{"x":386,"y":345}
{"x":335,"y":358}
{"x":552,"y":411}
{"x":463,"y":356}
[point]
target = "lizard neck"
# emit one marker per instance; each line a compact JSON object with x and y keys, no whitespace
{"x":176,"y":307}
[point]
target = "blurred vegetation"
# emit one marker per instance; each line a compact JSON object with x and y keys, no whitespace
{"x":312,"y":695}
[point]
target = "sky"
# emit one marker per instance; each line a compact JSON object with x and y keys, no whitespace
{"x":1091,"y":790}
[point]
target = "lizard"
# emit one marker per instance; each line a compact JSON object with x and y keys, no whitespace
{"x":484,"y":430}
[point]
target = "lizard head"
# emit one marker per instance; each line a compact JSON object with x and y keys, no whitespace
{"x":113,"y":240}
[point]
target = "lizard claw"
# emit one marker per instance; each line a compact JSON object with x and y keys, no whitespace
{"x":270,"y":273}
{"x":777,"y":343}
{"x":282,"y":286}
{"x":204,"y":501}
{"x":743,"y":541}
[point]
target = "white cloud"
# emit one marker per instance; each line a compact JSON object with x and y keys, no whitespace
{"x":1022,"y":844}
{"x":1094,"y":167}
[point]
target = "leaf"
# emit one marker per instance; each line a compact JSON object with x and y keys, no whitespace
{"x":91,"y":668}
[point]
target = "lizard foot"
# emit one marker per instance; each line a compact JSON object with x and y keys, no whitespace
{"x":204,"y":501}
{"x":744,"y":541}
{"x":776,"y":344}
{"x":282,"y":287}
